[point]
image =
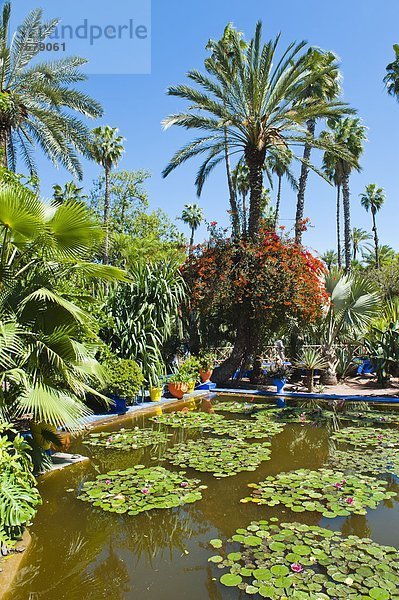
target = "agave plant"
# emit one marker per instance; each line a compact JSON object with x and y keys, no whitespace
{"x":311,"y":359}
{"x":45,"y":371}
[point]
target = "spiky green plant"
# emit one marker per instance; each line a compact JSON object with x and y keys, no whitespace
{"x":311,"y":359}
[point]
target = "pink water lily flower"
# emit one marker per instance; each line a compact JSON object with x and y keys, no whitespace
{"x":343,"y":481}
{"x":338,"y":485}
{"x":107,"y":482}
{"x":297,"y":568}
{"x":145,"y":490}
{"x":380,"y":438}
{"x":184,"y":484}
{"x":349,"y":500}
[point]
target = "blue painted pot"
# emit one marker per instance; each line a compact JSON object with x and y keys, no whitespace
{"x":118,"y":407}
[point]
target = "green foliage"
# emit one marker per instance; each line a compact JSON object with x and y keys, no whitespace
{"x":383,"y":349}
{"x":39,"y":106}
{"x":276,"y":560}
{"x":127,"y":439}
{"x":44,"y":367}
{"x":326,"y":491}
{"x":191,"y":367}
{"x":187,"y":420}
{"x":311,"y":359}
{"x":206,"y":361}
{"x":19,"y":497}
{"x":123,"y":378}
{"x":138,"y":489}
{"x":144,"y":314}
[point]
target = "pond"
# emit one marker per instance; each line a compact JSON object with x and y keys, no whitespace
{"x":82,"y":552}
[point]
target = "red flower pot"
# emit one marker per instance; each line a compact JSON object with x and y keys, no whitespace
{"x":206,"y":375}
{"x":178,"y":389}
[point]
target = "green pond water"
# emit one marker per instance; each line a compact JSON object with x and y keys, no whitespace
{"x":80,"y":552}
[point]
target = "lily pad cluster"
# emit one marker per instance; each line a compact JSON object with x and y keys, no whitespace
{"x":187,"y":420}
{"x":329,"y":492}
{"x":138,"y":489}
{"x":293,"y":414}
{"x":364,"y":437}
{"x":301,"y":561}
{"x":374,"y":461}
{"x":241,"y":408}
{"x":127,"y":439}
{"x":371,"y":416}
{"x":221,"y":457}
{"x":246,"y":429}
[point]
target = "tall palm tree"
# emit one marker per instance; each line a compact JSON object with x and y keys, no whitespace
{"x":192,"y":215}
{"x":332,"y":170}
{"x":280,"y":165}
{"x":391,"y":79}
{"x":256,"y":102}
{"x":351,"y":133}
{"x":330,"y":259}
{"x":358,"y":237}
{"x":322,"y":84}
{"x":225,"y":46}
{"x":372,"y":200}
{"x":37,"y":100}
{"x":106,"y":149}
{"x":241,"y":186}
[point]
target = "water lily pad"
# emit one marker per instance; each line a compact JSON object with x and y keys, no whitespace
{"x":127,"y":439}
{"x":329,"y":492}
{"x":376,"y":461}
{"x":222,"y":457}
{"x":136,"y":490}
{"x":258,"y":429}
{"x":364,"y":437}
{"x":327,"y":565}
{"x":187,"y":420}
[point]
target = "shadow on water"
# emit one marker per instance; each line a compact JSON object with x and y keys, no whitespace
{"x":82,"y":553}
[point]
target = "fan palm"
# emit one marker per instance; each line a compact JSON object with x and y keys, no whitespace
{"x":372,"y":200}
{"x":353,"y":303}
{"x":106,"y":148}
{"x":254,"y":99}
{"x":192,"y":215}
{"x":391,"y":79}
{"x":350,"y":133}
{"x":45,"y":371}
{"x":321,"y":85}
{"x":280,"y":165}
{"x":37,"y":101}
{"x":358,"y":237}
{"x":311,"y":359}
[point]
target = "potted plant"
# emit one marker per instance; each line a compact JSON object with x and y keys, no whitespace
{"x":206,"y":364}
{"x":156,"y":382}
{"x":178,"y":384}
{"x":279,"y":372}
{"x":124,"y":379}
{"x":311,"y":360}
{"x":191,"y":367}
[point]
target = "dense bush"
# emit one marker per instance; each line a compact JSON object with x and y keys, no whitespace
{"x":124,"y":378}
{"x":19,"y":497}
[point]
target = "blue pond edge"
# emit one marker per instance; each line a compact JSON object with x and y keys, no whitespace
{"x":371,"y":399}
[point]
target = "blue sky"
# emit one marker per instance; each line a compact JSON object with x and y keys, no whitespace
{"x":361,"y":32}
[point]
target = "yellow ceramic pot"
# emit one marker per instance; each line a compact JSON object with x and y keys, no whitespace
{"x":155,"y":394}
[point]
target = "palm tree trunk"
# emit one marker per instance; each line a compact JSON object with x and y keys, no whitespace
{"x":192,"y":239}
{"x":339,"y":250}
{"x":278,"y":202}
{"x":106,"y":218}
{"x":255,"y":159}
{"x":244,"y":215}
{"x":347,"y":222}
{"x":300,"y":205}
{"x":4,"y":148}
{"x":235,"y":220}
{"x":376,"y":242}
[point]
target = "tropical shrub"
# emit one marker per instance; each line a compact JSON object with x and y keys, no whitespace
{"x":311,"y":359}
{"x":191,"y":366}
{"x":206,"y":361}
{"x":252,"y":287}
{"x":45,"y":369}
{"x":19,"y":497}
{"x":144,"y":314}
{"x":123,"y":378}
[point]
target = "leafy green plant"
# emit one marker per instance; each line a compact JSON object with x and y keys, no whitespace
{"x":329,"y":492}
{"x":180,"y":377}
{"x":311,"y":359}
{"x":191,"y":367}
{"x":276,"y":560}
{"x":383,"y":350}
{"x":19,"y":497}
{"x":123,"y":378}
{"x":206,"y":361}
{"x":138,"y":489}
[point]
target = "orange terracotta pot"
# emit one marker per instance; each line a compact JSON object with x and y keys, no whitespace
{"x":206,"y":375}
{"x":178,"y":389}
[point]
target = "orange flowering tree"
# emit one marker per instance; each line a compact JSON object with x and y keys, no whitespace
{"x":249,"y":288}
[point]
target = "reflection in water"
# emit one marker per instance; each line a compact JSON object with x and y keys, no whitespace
{"x":82,"y":553}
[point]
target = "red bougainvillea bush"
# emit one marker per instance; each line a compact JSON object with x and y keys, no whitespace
{"x":268,"y":280}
